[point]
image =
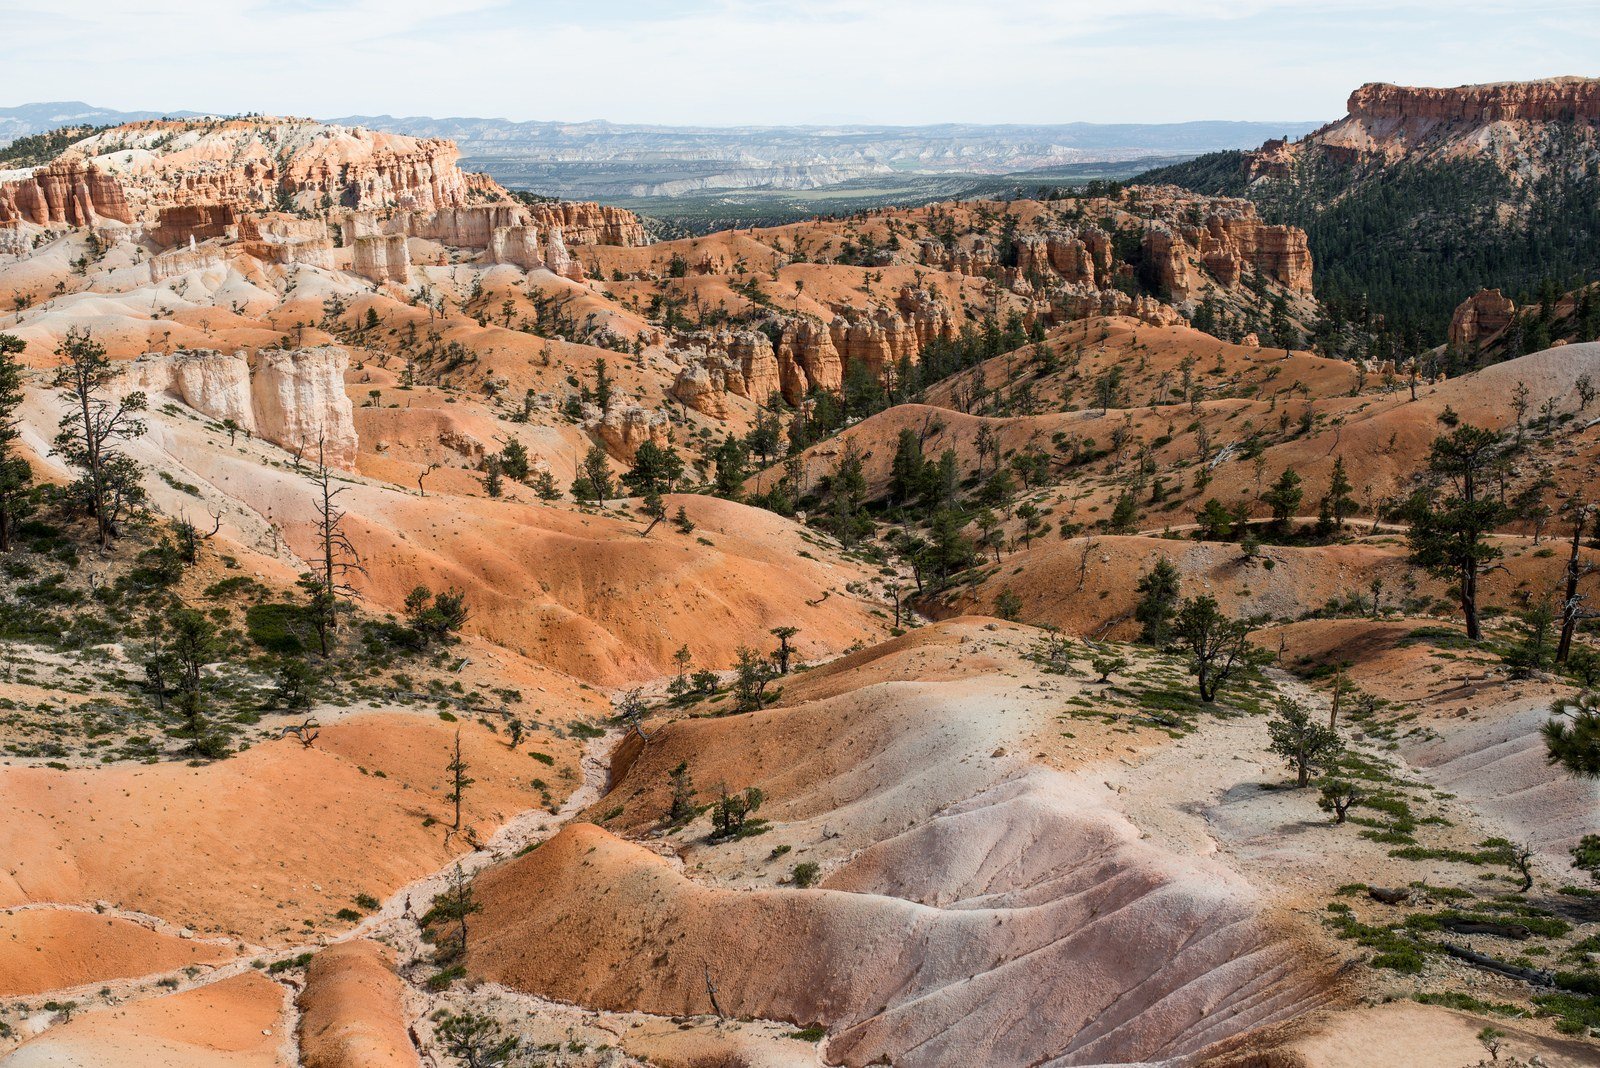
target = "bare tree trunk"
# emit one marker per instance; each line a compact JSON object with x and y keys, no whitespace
{"x":1571,"y":605}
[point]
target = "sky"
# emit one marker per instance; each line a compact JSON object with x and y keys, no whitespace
{"x":726,"y":62}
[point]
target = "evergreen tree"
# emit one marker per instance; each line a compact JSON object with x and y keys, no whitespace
{"x":1451,"y":520}
{"x":1340,"y":505}
{"x":731,"y":459}
{"x":1217,"y":646}
{"x":594,"y":477}
{"x":16,"y":477}
{"x":845,"y":498}
{"x":656,"y":469}
{"x":91,"y":429}
{"x":514,"y":460}
{"x":1158,"y":591}
{"x":1284,"y":497}
{"x":602,"y":386}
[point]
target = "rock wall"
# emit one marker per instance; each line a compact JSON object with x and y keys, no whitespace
{"x":381,"y":258}
{"x":465,"y":227}
{"x":286,"y":239}
{"x":16,"y":237}
{"x":66,"y":192}
{"x":180,"y":224}
{"x":587,"y":223}
{"x":1221,"y":246}
{"x":625,"y":427}
{"x":1480,"y":317}
{"x":516,"y":245}
{"x":1549,"y":100}
{"x":717,"y":364}
{"x":183,"y":259}
{"x":559,"y":260}
{"x":291,"y":397}
{"x":1520,"y":126}
{"x":299,"y":398}
{"x":1074,"y":256}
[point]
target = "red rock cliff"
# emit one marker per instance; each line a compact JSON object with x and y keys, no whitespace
{"x":1550,"y":100}
{"x":67,"y":192}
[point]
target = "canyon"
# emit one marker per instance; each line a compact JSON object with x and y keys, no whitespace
{"x":528,"y":639}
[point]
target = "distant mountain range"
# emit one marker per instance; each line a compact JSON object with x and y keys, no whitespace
{"x":27,"y":119}
{"x":606,"y":161}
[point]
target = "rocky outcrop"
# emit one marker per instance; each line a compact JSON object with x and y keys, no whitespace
{"x":807,"y":359}
{"x":625,"y":427}
{"x":717,"y":364}
{"x":1548,"y":100}
{"x":881,"y":336}
{"x":286,"y":239}
{"x":559,"y":260}
{"x":1228,"y":238}
{"x":182,"y":224}
{"x":181,"y":260}
{"x":465,"y":227}
{"x":587,"y":223}
{"x":1086,"y":302}
{"x":1526,"y":128}
{"x":1081,"y":257}
{"x":299,"y":400}
{"x":16,"y":238}
{"x":293,"y":398}
{"x":516,"y":245}
{"x":259,"y":164}
{"x":1480,"y":317}
{"x":979,"y":257}
{"x":67,"y":192}
{"x":381,"y":258}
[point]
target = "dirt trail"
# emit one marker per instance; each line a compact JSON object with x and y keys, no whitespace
{"x":394,"y":921}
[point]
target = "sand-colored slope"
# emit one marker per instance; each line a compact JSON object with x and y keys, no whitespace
{"x":1385,"y":440}
{"x":1471,"y":729}
{"x":351,"y":1013}
{"x":975,"y":905}
{"x":1087,"y":586}
{"x":236,"y":1023}
{"x":57,"y":949}
{"x":1149,"y":363}
{"x":583,"y":593}
{"x":254,"y":846}
{"x":1403,"y":1032}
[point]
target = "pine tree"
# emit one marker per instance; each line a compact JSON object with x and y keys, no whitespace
{"x":1341,"y":506}
{"x":1447,"y":535}
{"x":1284,"y":497}
{"x":514,"y":460}
{"x":1158,"y":602}
{"x":16,"y":477}
{"x":91,"y":429}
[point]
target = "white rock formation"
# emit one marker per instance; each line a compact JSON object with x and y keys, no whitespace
{"x":292,"y":398}
{"x":382,"y":258}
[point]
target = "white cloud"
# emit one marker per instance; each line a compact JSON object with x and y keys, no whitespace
{"x":724,"y":61}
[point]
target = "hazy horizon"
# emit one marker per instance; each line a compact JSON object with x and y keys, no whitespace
{"x":760,"y":63}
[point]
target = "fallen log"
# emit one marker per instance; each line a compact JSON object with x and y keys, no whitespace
{"x":1515,"y":971}
{"x":1516,"y":931}
{"x":1396,"y":896}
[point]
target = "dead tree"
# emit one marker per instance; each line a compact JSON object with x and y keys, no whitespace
{"x":338,"y":557}
{"x":711,"y":992}
{"x":424,"y":473}
{"x":1572,"y":611}
{"x":307,"y":733}
{"x":458,"y":781}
